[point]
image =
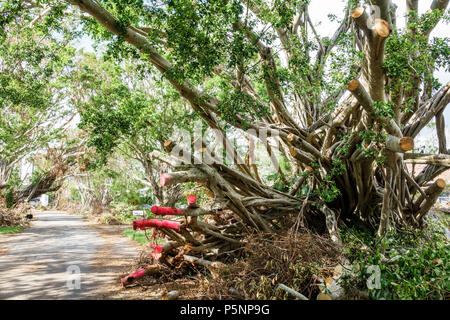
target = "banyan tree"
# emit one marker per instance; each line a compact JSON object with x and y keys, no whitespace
{"x":344,"y":108}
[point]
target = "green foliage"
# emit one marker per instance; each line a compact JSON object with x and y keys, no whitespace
{"x":9,"y":196}
{"x":338,"y":168}
{"x":208,"y":41}
{"x":342,"y":66}
{"x":141,"y":237}
{"x":74,"y":194}
{"x":368,"y":149}
{"x":118,"y":115}
{"x":425,"y":22}
{"x":276,"y":179}
{"x":13,"y":184}
{"x":419,"y":263}
{"x":328,"y":192}
{"x":123,"y":211}
{"x":412,"y":56}
{"x":368,"y":136}
{"x":344,"y":148}
{"x":384,"y":109}
{"x":240,"y":103}
{"x":138,"y":236}
{"x":121,"y":185}
{"x":34,"y":70}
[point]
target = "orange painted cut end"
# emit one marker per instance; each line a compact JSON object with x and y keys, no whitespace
{"x":292,"y":151}
{"x":167,"y":143}
{"x":290,"y":137}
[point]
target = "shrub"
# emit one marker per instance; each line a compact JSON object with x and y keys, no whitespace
{"x":413,"y":264}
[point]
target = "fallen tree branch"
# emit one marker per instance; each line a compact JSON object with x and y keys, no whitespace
{"x":291,"y":291}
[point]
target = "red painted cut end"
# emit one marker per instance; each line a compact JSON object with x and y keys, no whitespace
{"x":191,"y":199}
{"x":155,"y":246}
{"x":165,"y":211}
{"x":156,"y":253}
{"x":157,"y":223}
{"x":132,"y":276}
{"x":163,"y":179}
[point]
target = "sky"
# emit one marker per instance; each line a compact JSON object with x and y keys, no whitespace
{"x":319,"y":11}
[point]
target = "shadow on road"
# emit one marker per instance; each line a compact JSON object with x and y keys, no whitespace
{"x":58,"y":258}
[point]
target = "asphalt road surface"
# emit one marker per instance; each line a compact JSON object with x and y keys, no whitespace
{"x":57,"y":258}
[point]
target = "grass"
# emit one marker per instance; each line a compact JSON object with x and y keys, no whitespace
{"x":138,"y":236}
{"x":10,"y":229}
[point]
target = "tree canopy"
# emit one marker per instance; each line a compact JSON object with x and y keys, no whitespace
{"x":33,"y":75}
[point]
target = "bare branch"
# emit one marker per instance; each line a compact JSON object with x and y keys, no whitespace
{"x":440,"y":130}
{"x":427,"y":111}
{"x":440,"y":5}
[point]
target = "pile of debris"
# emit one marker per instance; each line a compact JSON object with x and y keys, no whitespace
{"x":293,"y":265}
{"x":170,"y":259}
{"x":289,"y":266}
{"x":14,"y":217}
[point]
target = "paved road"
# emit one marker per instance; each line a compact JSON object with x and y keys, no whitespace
{"x":56,"y":259}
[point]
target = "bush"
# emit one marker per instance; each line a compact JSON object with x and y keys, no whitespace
{"x":10,"y":200}
{"x":413,"y":264}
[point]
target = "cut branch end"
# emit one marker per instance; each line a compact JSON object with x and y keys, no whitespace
{"x":441,"y":183}
{"x":169,"y":145}
{"x":292,"y":151}
{"x":290,"y":137}
{"x":406,"y":143}
{"x":381,"y":27}
{"x":357,"y":12}
{"x":353,"y":85}
{"x":163,"y":179}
